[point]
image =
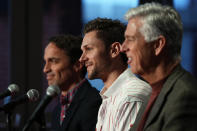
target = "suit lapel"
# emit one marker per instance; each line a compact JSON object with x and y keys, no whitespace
{"x":69,"y":114}
{"x":56,"y":116}
{"x":75,"y":104}
{"x":167,"y":87}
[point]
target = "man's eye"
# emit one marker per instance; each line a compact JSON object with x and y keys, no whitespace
{"x":130,"y":39}
{"x":54,"y":60}
{"x":88,"y":48}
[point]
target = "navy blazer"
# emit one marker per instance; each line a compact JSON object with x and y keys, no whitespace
{"x":82,"y":112}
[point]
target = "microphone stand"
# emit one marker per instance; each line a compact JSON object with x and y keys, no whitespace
{"x":8,"y":118}
{"x":40,"y":120}
{"x":9,"y":121}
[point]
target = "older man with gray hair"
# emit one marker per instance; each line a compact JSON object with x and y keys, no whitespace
{"x":153,"y":44}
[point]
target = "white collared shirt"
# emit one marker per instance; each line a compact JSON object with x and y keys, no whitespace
{"x":121,"y":102}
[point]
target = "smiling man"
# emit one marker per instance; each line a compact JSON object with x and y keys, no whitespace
{"x":123,"y":93}
{"x":152,"y":44}
{"x":79,"y":102}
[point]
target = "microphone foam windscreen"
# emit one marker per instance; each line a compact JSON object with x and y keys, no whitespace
{"x":33,"y":95}
{"x":53,"y":90}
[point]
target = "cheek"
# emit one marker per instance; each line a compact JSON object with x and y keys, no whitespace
{"x":144,"y":58}
{"x":94,"y":58}
{"x":103,"y":58}
{"x":94,"y":55}
{"x":57,"y":70}
{"x":60,"y":72}
{"x":63,"y":77}
{"x":138,"y":56}
{"x":67,"y":72}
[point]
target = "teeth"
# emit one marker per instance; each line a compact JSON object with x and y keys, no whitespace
{"x":129,"y":58}
{"x":87,"y":64}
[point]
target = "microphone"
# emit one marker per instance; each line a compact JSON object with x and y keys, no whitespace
{"x":12,"y":89}
{"x":52,"y":91}
{"x":32,"y":95}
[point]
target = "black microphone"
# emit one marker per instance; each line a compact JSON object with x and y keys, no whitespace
{"x":52,"y":91}
{"x":12,"y":89}
{"x":32,"y":95}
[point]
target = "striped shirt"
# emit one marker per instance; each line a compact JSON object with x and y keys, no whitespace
{"x":121,"y":102}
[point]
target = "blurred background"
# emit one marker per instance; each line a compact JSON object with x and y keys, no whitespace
{"x":26,"y":26}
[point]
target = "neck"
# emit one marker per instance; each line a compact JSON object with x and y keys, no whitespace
{"x":113,"y":74}
{"x":72,"y":85}
{"x":159,"y":73}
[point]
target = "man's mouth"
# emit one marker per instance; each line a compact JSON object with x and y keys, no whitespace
{"x":129,"y":60}
{"x":88,"y":64}
{"x":50,"y":76}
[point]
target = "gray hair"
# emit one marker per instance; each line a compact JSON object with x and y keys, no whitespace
{"x":160,"y":20}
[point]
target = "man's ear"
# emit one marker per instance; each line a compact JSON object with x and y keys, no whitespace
{"x":78,"y":66}
{"x":159,"y":45}
{"x":115,"y":49}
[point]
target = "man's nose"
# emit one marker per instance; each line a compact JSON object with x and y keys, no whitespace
{"x":123,"y":47}
{"x":46,"y":68}
{"x":82,"y":58}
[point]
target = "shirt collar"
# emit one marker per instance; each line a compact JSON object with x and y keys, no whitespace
{"x":116,"y":85}
{"x":70,"y":94}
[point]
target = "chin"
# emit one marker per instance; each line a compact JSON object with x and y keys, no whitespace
{"x":91,"y":77}
{"x":51,"y":83}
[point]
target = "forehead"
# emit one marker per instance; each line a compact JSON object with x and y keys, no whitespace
{"x":91,"y":39}
{"x":133,"y":26}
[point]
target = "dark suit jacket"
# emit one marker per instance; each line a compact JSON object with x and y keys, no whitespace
{"x":82,"y":112}
{"x":176,"y":106}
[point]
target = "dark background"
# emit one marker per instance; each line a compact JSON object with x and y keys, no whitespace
{"x":26,"y":25}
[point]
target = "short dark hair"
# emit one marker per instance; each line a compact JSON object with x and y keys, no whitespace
{"x":71,"y":46}
{"x":108,"y":30}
